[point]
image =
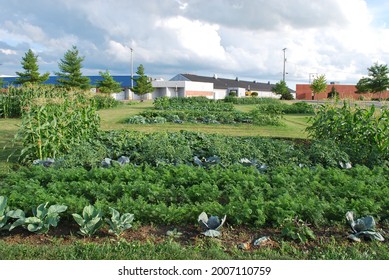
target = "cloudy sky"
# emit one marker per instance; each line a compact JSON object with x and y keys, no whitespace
{"x":231,"y":38}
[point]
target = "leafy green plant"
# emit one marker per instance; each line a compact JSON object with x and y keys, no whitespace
{"x":119,"y":223}
{"x":44,"y":217}
{"x":7,"y":215}
{"x":174,"y":233}
{"x":297,"y":229}
{"x":90,"y":221}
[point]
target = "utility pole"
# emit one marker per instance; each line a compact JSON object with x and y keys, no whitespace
{"x":132,"y":68}
{"x":283,"y":72}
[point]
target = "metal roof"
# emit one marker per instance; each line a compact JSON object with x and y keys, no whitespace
{"x":222,"y":83}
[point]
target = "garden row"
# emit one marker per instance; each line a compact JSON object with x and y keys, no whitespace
{"x":203,"y":110}
{"x":44,"y":216}
{"x":15,"y":100}
{"x":177,"y":194}
{"x":194,"y":148}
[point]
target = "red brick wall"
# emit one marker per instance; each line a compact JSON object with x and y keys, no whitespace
{"x":303,"y":92}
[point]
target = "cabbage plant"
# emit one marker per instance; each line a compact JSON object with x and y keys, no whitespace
{"x":119,"y":223}
{"x":43,"y":218}
{"x":211,"y":226}
{"x":90,"y":221}
{"x":363,"y":227}
{"x":7,"y":215}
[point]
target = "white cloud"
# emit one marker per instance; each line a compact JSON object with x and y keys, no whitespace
{"x":200,"y":40}
{"x":7,"y":51}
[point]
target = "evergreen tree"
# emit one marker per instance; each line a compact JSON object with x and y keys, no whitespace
{"x":31,"y":73}
{"x":143,"y":83}
{"x":70,"y":70}
{"x":108,"y":84}
{"x":282,"y":89}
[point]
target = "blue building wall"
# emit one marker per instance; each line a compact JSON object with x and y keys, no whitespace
{"x":125,"y":81}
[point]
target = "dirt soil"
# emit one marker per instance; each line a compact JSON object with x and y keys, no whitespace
{"x":242,"y":238}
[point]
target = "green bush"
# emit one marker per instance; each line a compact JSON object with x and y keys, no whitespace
{"x":299,"y":108}
{"x":105,"y":101}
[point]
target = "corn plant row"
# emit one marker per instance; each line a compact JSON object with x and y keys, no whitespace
{"x":176,"y":194}
{"x":15,"y":100}
{"x":361,"y":132}
{"x":53,"y":120}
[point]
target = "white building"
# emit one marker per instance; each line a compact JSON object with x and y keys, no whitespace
{"x":188,"y":85}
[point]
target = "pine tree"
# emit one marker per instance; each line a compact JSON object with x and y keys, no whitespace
{"x":31,"y":73}
{"x":70,"y":70}
{"x":108,"y":84}
{"x":143,"y":83}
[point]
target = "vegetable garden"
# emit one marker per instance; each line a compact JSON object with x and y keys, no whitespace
{"x":105,"y":186}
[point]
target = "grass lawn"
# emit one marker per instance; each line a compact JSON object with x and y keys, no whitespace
{"x":113,"y":119}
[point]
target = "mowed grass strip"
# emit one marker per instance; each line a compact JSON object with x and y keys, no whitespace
{"x":114,"y":119}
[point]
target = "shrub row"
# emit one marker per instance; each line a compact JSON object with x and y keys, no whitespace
{"x":294,"y":108}
{"x":177,"y":194}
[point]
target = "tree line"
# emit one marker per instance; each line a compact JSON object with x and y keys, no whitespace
{"x":70,"y":75}
{"x":377,"y":81}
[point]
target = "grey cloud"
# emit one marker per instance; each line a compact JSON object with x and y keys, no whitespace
{"x":265,"y":14}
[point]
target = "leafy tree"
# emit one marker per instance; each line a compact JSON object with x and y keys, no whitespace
{"x":333,"y":93}
{"x":31,"y":73}
{"x":1,"y":82}
{"x":143,"y":83}
{"x":108,"y":84}
{"x":319,"y":85}
{"x":70,"y":70}
{"x":282,"y":89}
{"x":377,"y":80}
